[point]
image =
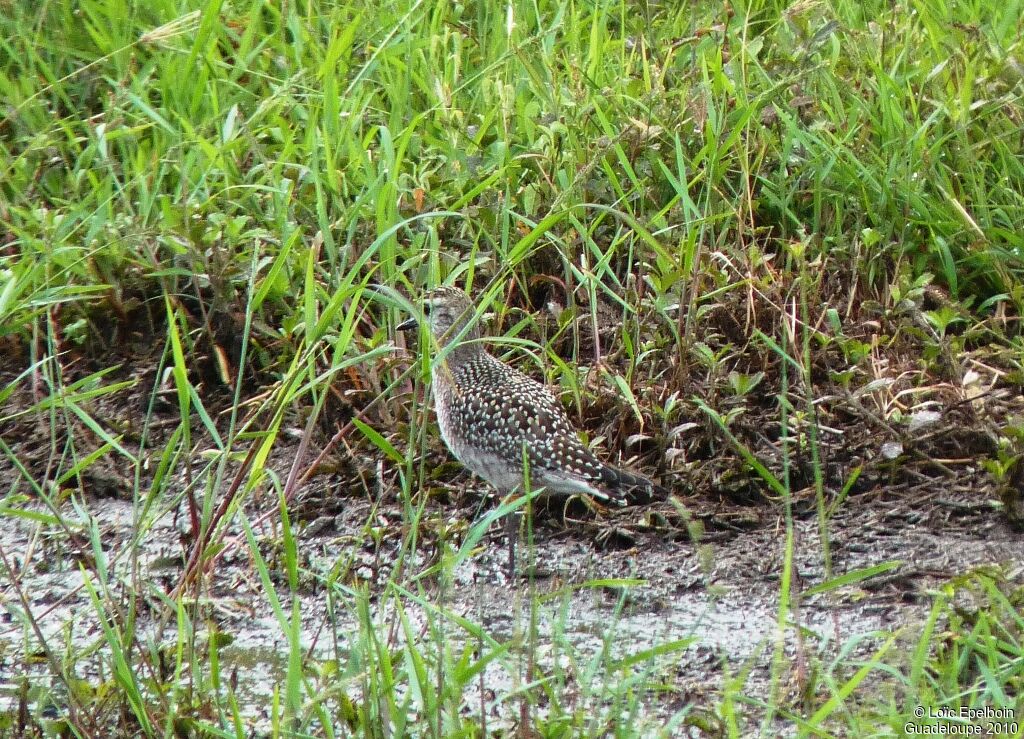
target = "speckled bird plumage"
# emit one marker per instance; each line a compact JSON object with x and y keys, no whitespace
{"x":489,"y":413}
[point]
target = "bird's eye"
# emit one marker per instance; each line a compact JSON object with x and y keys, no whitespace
{"x":426,"y":309}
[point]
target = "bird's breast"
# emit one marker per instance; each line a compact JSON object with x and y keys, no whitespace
{"x":455,"y":416}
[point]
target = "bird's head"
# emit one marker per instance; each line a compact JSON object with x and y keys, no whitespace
{"x":446,"y":311}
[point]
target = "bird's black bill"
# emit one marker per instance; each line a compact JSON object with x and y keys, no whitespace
{"x":410,"y":324}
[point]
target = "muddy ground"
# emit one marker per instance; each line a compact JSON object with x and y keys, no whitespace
{"x":906,"y":450}
{"x":722,"y":593}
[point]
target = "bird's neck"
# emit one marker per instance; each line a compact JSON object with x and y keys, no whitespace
{"x":464,"y":352}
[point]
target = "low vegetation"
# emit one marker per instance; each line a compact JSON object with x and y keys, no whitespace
{"x":768,"y":253}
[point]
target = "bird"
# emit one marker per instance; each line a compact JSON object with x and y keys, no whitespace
{"x":497,"y":421}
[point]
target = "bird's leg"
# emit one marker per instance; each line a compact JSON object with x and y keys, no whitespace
{"x":512,"y":519}
{"x":512,"y":533}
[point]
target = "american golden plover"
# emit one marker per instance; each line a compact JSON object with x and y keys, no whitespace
{"x":491,"y":415}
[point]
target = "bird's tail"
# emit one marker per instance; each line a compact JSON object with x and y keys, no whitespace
{"x":632,"y":488}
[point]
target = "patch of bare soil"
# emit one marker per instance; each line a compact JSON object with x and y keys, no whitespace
{"x":915,"y":440}
{"x":721,"y":593}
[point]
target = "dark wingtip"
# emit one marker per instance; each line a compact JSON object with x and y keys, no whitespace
{"x":634,"y":488}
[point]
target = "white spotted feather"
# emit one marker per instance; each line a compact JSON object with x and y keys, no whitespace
{"x":491,"y":414}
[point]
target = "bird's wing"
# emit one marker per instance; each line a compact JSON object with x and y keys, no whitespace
{"x":525,"y":414}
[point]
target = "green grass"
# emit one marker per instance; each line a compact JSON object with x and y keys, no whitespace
{"x":214,"y":187}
